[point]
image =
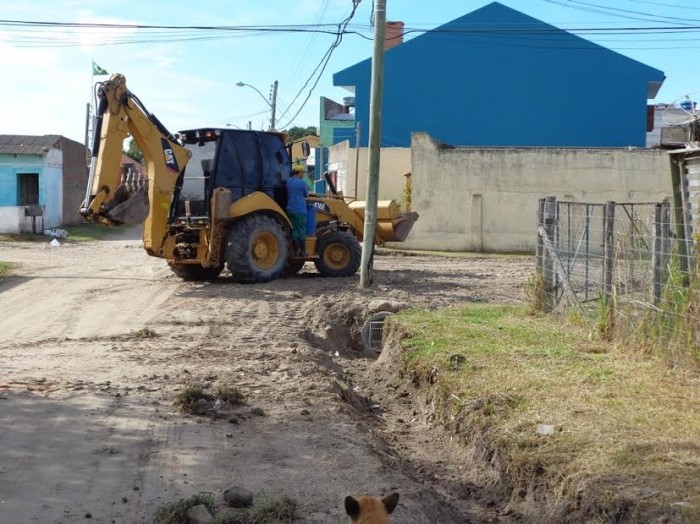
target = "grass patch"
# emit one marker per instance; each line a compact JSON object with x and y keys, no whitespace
{"x":77,"y":233}
{"x":264,"y":510}
{"x":144,"y":332}
{"x":24,"y":237}
{"x":176,"y":512}
{"x":90,"y":232}
{"x":230,"y":395}
{"x":5,"y":268}
{"x":625,"y":442}
{"x":188,"y":396}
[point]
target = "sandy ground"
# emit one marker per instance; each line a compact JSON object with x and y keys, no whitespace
{"x":97,"y":338}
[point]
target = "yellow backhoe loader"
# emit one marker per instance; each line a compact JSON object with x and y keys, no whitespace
{"x":213,"y":197}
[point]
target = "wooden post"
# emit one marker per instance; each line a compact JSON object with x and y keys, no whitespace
{"x":679,"y":211}
{"x":588,"y":251}
{"x":655,"y":256}
{"x":631,"y":257}
{"x":608,"y":255}
{"x":540,"y":245}
{"x":548,"y":273}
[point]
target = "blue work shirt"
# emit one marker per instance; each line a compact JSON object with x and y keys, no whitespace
{"x":297,"y":191}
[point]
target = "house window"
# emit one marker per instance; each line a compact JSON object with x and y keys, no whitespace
{"x":28,"y":189}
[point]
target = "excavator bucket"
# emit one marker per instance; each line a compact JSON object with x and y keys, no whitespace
{"x":392,"y":224}
{"x":133,"y":210}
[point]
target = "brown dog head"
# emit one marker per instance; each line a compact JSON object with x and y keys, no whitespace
{"x":371,"y":510}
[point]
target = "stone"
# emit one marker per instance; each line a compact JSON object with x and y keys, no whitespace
{"x":238,"y":497}
{"x":199,"y":515}
{"x":682,"y":505}
{"x":545,"y":429}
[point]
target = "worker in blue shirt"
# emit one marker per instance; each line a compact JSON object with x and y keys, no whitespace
{"x":297,"y":191}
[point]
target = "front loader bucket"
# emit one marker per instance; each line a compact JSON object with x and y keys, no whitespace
{"x":403,"y":226}
{"x":392,"y":224}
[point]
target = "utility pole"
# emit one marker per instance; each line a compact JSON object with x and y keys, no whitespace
{"x":87,"y":135}
{"x":273,"y":105}
{"x":357,"y":155}
{"x":375,"y":133}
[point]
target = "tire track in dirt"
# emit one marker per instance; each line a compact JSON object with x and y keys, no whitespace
{"x":110,"y":415}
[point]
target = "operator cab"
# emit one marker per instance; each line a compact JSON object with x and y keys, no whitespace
{"x":240,"y":160}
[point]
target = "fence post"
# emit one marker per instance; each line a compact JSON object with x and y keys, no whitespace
{"x":588,"y":235}
{"x":657,"y":281}
{"x":608,"y":255}
{"x":662,"y":247}
{"x":540,"y":245}
{"x":548,"y":273}
{"x":680,"y":211}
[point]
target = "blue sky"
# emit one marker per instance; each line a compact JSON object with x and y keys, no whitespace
{"x":46,"y":73}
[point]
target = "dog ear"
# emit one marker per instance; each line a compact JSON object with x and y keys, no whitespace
{"x":352,"y":507}
{"x":390,"y":502}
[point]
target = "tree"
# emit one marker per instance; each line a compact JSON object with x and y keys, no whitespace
{"x":134,"y":152}
{"x":296,"y":132}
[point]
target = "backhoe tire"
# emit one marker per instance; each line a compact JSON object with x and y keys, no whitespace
{"x":195,"y":272}
{"x":339,"y":254}
{"x":256,"y":249}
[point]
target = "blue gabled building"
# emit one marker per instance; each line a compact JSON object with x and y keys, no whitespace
{"x":498,"y":77}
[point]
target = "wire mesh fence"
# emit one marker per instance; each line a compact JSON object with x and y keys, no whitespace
{"x":625,"y":254}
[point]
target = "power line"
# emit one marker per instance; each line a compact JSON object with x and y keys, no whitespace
{"x":321,"y":67}
{"x":676,"y":6}
{"x":656,"y":17}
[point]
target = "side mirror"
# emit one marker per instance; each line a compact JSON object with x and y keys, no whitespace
{"x":305,"y":149}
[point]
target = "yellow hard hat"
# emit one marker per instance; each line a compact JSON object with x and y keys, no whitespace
{"x":297,"y":168}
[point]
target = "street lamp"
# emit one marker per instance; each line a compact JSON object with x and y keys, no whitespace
{"x":273,"y":104}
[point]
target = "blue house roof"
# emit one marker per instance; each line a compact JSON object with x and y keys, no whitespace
{"x":469,"y":80}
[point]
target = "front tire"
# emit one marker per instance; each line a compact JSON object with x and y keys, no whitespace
{"x":339,"y":254}
{"x":195,"y":272}
{"x":256,"y":249}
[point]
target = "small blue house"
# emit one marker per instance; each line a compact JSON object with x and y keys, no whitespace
{"x":42,"y":182}
{"x":498,"y":77}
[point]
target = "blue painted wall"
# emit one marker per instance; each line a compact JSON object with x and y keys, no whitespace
{"x":50,"y":184}
{"x":476,"y":81}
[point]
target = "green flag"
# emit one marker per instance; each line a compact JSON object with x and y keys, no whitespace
{"x":97,"y":70}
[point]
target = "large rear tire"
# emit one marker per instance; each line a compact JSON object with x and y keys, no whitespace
{"x":256,"y":249}
{"x":195,"y":272}
{"x":339,"y":254}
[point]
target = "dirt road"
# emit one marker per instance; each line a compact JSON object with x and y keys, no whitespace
{"x":97,"y":339}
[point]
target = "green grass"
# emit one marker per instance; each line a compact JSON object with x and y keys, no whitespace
{"x":265,"y":510}
{"x":5,"y":268}
{"x":176,"y":512}
{"x":78,"y":233}
{"x":496,"y":372}
{"x":23,"y":237}
{"x":90,"y":232}
{"x":188,"y":396}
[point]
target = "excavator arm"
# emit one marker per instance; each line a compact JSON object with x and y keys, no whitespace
{"x":113,"y":198}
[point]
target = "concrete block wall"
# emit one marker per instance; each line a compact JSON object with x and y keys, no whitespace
{"x":485,"y":199}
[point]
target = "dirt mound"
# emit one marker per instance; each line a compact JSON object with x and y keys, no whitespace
{"x":334,"y":322}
